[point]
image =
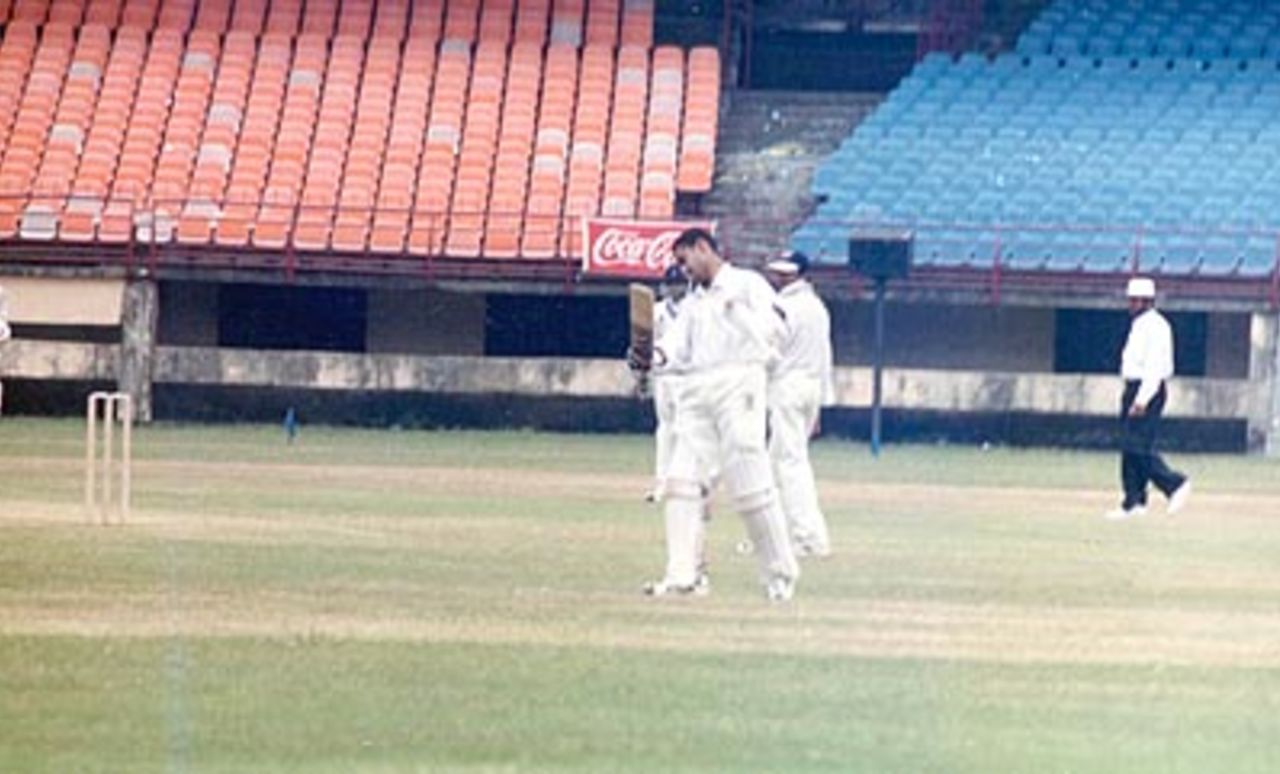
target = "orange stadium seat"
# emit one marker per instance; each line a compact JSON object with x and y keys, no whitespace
{"x":293,"y":143}
{"x":257,"y":139}
{"x":330,"y":147}
{"x":221,"y":129}
{"x":662,"y":134}
{"x":495,"y":21}
{"x":213,"y":15}
{"x":541,"y":230}
{"x":68,"y":12}
{"x":440,"y":148}
{"x":103,"y":12}
{"x":355,"y":19}
{"x":66,"y":138}
{"x":139,"y":14}
{"x":637,"y":23}
{"x":515,"y":148}
{"x":284,"y":17}
{"x":461,"y":20}
{"x":176,"y":15}
{"x":586,"y":155}
{"x":626,"y":130}
{"x":30,"y":11}
{"x":602,"y":23}
{"x":365,"y":160}
{"x":426,"y":21}
{"x":93,"y":176}
{"x":26,"y":142}
{"x":470,"y":195}
{"x":318,"y":17}
{"x":16,"y":52}
{"x":390,"y":22}
{"x":187,"y":114}
{"x":249,"y":16}
{"x":397,"y":184}
{"x":701,"y":121}
{"x":531,"y":21}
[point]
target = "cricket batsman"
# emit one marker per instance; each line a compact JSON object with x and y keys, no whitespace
{"x":731,"y":332}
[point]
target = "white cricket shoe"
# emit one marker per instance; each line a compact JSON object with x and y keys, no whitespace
{"x":1123,"y":514}
{"x":1178,"y":500}
{"x":780,"y":588}
{"x":700,"y":587}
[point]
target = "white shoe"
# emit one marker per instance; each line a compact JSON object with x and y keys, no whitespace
{"x":1122,"y":514}
{"x":700,"y":587}
{"x":780,"y":589}
{"x":1178,"y":500}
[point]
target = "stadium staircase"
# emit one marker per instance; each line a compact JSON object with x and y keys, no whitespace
{"x":770,"y":144}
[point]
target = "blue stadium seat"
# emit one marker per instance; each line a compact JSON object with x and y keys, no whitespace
{"x":984,"y":152}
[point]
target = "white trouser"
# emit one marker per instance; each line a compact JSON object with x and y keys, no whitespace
{"x":794,"y":403}
{"x":665,"y":389}
{"x":720,"y":427}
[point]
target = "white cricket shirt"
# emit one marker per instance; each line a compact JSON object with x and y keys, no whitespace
{"x":733,"y":321}
{"x":1148,"y":354}
{"x":807,"y":346}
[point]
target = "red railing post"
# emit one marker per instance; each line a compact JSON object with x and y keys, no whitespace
{"x":996,"y":267}
{"x":1275,"y":278}
{"x":290,"y":258}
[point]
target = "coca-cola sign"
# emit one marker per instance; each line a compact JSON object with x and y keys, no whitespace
{"x":631,"y":248}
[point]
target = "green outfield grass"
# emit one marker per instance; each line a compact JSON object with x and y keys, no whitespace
{"x":367,"y":601}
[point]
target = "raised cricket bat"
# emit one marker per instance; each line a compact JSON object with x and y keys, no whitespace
{"x":641,"y":300}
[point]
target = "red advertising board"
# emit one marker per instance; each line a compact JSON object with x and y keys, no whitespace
{"x":634,"y":249}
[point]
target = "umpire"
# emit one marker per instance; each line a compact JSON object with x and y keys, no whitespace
{"x":1145,"y":366}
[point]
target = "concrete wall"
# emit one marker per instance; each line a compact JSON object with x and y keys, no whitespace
{"x":1018,"y":339}
{"x":904,"y":388}
{"x":425,"y":322}
{"x":1227,"y":346}
{"x":63,"y":301}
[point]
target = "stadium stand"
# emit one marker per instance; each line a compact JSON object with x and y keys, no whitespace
{"x":1065,"y":157}
{"x":464,"y":128}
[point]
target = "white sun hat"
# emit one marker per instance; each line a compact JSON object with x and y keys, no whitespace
{"x":1141,"y":287}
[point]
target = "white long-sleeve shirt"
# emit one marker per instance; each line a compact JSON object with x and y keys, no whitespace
{"x":733,"y":321}
{"x":1148,"y":354}
{"x":807,"y":346}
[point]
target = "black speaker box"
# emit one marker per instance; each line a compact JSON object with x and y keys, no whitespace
{"x":881,"y":254}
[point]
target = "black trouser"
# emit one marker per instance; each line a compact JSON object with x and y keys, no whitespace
{"x":1139,"y":462}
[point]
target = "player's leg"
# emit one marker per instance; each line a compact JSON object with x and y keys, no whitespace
{"x":664,"y":434}
{"x":685,"y":502}
{"x":1169,"y":481}
{"x":747,"y":474}
{"x":793,"y":409}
